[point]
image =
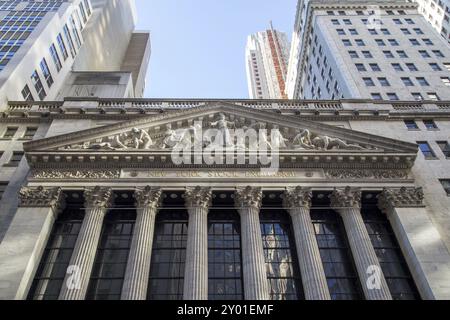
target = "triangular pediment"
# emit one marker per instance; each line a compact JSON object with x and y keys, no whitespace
{"x":162,"y":133}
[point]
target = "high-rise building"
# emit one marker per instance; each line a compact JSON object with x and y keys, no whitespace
{"x":437,"y":12}
{"x":367,"y":49}
{"x":57,"y":49}
{"x":266,"y":57}
{"x":78,"y":36}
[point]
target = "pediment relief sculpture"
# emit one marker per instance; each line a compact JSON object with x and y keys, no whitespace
{"x":220,"y":132}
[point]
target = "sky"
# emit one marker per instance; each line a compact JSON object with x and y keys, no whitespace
{"x":198,"y":46}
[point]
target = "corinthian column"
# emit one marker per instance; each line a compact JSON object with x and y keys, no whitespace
{"x":97,"y":200}
{"x":347,"y":202}
{"x":138,"y":266}
{"x":297,"y":202}
{"x":248,"y":203}
{"x":197,"y":201}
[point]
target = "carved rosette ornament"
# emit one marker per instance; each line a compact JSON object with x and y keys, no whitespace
{"x":400,"y":198}
{"x":248,"y":197}
{"x":346,"y":198}
{"x":297,"y":197}
{"x":97,"y":197}
{"x":148,"y":197}
{"x":198,"y":197}
{"x":41,"y":197}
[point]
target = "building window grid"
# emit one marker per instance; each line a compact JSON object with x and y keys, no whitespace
{"x":426,"y":149}
{"x":342,"y":279}
{"x":445,"y":148}
{"x":52,"y":269}
{"x":38,"y":85}
{"x":55,"y":57}
{"x":168,"y":255}
{"x":110,"y":264}
{"x":46,"y":72}
{"x":395,"y":270}
{"x":283,"y":273}
{"x":62,"y":46}
{"x":224,"y":255}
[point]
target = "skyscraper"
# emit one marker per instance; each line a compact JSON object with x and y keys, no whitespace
{"x":78,"y":35}
{"x":367,"y":49}
{"x":437,"y":13}
{"x":266,"y":57}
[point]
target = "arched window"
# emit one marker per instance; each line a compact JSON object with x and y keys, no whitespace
{"x":342,"y":278}
{"x":224,"y":249}
{"x":393,"y":264}
{"x":52,"y":269}
{"x":169,"y":250}
{"x":110,"y":264}
{"x":280,"y":253}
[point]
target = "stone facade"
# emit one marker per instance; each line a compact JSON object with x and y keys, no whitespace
{"x":344,"y":147}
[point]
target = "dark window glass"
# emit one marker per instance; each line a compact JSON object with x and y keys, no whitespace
{"x":430,"y":124}
{"x":53,"y":266}
{"x":411,"y":125}
{"x":426,"y":150}
{"x":3,"y":186}
{"x":392,"y":262}
{"x":283,"y":272}
{"x":30,"y":133}
{"x":446,"y":185}
{"x":169,"y":251}
{"x":15,"y":159}
{"x":445,"y":148}
{"x":10,"y":132}
{"x":110,"y":263}
{"x":343,"y":282}
{"x":224,"y":255}
{"x":38,"y":85}
{"x":26,"y":94}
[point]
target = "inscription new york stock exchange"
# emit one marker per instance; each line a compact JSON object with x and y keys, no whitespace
{"x":213,"y":174}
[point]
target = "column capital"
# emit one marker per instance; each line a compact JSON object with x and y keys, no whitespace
{"x":41,"y":197}
{"x":98,"y":197}
{"x":248,"y":197}
{"x":297,"y":197}
{"x":148,"y":197}
{"x":198,"y":197}
{"x":346,"y":198}
{"x":400,"y":198}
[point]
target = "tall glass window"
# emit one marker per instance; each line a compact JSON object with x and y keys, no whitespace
{"x":52,"y":269}
{"x":169,"y":250}
{"x":393,"y":264}
{"x":110,"y":263}
{"x":342,"y":278}
{"x":224,"y":250}
{"x":280,"y":254}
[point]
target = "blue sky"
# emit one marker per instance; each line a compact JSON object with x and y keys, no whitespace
{"x":198,"y":46}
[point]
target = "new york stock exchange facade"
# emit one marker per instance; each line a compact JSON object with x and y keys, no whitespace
{"x":222,"y":201}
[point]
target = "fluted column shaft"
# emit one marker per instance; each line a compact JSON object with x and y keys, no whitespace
{"x":196,"y":266}
{"x":298,"y":203}
{"x":135,"y":284}
{"x":347,"y":203}
{"x":248,"y":202}
{"x":76,"y":283}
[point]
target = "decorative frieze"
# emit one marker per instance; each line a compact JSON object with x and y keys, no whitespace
{"x":248,"y":197}
{"x":352,"y":174}
{"x":198,"y":197}
{"x":346,"y":198}
{"x":41,"y":197}
{"x":400,"y":198}
{"x":148,"y":197}
{"x":297,"y":197}
{"x":76,"y":174}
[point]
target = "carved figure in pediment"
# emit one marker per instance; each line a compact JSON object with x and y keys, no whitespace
{"x":140,"y":139}
{"x":116,"y":142}
{"x":223,"y":127}
{"x":307,"y":141}
{"x":329,"y":143}
{"x":303,"y":140}
{"x":277,"y":140}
